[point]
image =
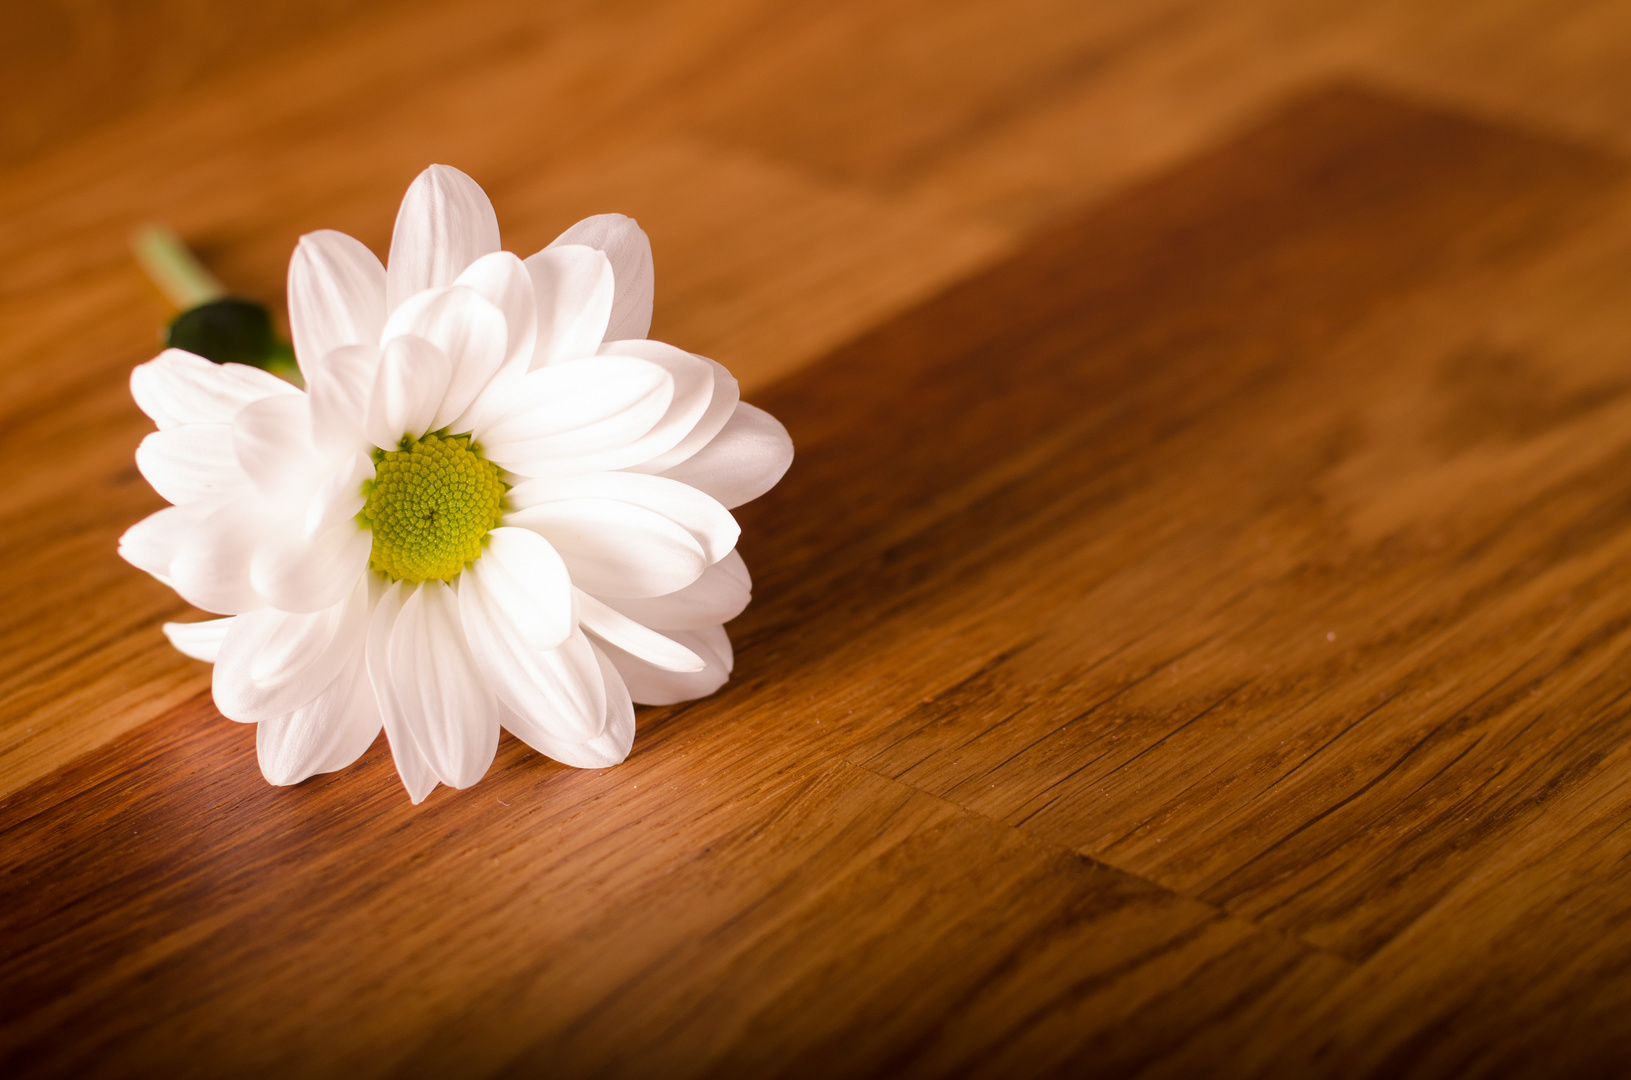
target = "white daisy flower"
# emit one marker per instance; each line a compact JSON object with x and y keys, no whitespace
{"x":496,"y":503}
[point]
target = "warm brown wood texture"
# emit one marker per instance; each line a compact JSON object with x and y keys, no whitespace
{"x":1195,"y":645}
{"x":808,"y":170}
{"x":1195,"y":637}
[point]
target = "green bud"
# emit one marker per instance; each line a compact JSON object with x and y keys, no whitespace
{"x":233,"y":330}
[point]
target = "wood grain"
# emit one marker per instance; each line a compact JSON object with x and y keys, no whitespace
{"x":74,"y":65}
{"x":807,"y":170}
{"x":1192,"y":640}
{"x":1195,"y":645}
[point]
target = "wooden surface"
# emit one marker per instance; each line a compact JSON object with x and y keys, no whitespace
{"x":1193,"y":640}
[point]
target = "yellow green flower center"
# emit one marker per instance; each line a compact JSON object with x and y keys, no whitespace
{"x":430,"y":506}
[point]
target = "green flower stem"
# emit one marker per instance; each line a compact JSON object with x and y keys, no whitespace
{"x":222,"y":328}
{"x":174,"y":269}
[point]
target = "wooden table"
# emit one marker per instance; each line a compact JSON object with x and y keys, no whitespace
{"x":1194,"y":639}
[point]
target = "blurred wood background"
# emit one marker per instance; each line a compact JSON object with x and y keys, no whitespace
{"x":1192,"y":641}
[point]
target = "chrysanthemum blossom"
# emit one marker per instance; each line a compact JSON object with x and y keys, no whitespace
{"x":495,"y":504}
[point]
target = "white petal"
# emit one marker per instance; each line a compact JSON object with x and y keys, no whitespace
{"x":151,"y":544}
{"x":525,"y":583}
{"x":705,"y":519}
{"x":336,"y":296}
{"x":468,"y":330}
{"x":299,"y":573}
{"x":694,"y":385}
{"x":413,"y":376}
{"x":411,"y":764}
{"x":629,"y":251}
{"x":192,"y":462}
{"x":651,"y":685}
{"x":718,"y":596}
{"x":502,"y":280}
{"x":744,"y":461}
{"x":576,"y":415}
{"x":724,"y":394}
{"x":445,"y":701}
{"x":327,"y":733}
{"x":177,"y":388}
{"x":340,"y":389}
{"x":340,"y":497}
{"x":559,"y":690}
{"x":608,"y":748}
{"x":199,"y":640}
{"x":616,"y":548}
{"x":273,"y":442}
{"x":210,"y":568}
{"x":574,"y":292}
{"x":446,"y":223}
{"x":273,"y":662}
{"x":614,"y":627}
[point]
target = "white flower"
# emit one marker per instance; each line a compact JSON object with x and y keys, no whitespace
{"x":496,"y":502}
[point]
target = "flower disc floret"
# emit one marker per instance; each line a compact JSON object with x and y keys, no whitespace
{"x":430,"y":506}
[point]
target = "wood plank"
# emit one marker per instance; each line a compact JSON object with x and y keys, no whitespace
{"x":1536,"y":936}
{"x":91,"y":663}
{"x":1140,"y":679}
{"x":73,"y":67}
{"x":807,"y":170}
{"x":1193,"y":662}
{"x":558,"y":920}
